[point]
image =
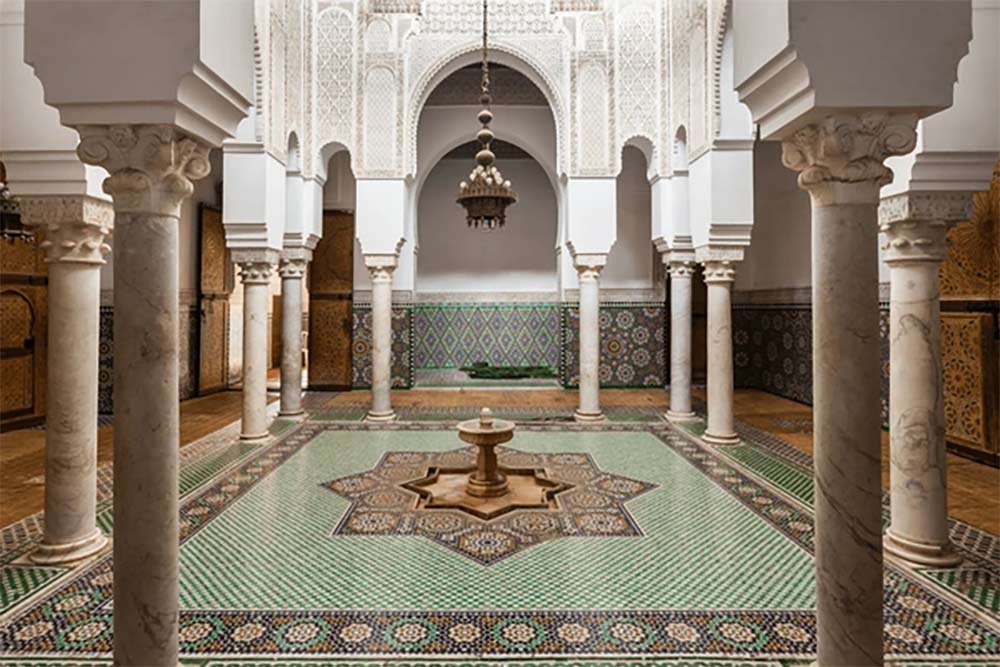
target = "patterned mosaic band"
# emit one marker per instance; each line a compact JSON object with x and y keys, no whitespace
{"x":188,"y":354}
{"x":772,"y":351}
{"x":633,"y":345}
{"x":501,"y":334}
{"x":402,"y":345}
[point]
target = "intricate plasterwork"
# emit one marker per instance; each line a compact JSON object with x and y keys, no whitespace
{"x":335,"y":54}
{"x":293,"y":69}
{"x":276,"y":140}
{"x":506,"y":16}
{"x":637,"y":63}
{"x":381,"y":125}
{"x":378,"y":36}
{"x":507,"y":86}
{"x":151,"y":166}
{"x":849,"y":148}
{"x":592,"y":119}
{"x":72,"y":229}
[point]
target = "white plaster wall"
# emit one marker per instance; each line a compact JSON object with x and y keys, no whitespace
{"x":779,"y":253}
{"x":630,"y":262}
{"x":518,"y":258}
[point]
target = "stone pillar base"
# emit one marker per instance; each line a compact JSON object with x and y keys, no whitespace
{"x":381,"y":417}
{"x":292,"y":414}
{"x":589,"y":417}
{"x":713,"y":439}
{"x":53,"y":554}
{"x":939,"y":555}
{"x":254,"y":437}
{"x":680,"y":416}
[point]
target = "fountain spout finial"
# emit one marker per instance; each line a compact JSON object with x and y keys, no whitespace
{"x":486,"y":418}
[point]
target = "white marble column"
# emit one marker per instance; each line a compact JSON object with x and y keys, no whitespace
{"x":915,"y":226}
{"x":73,"y":232}
{"x":381,"y":268}
{"x":292,"y":269}
{"x":720,"y":429}
{"x":840,"y":160}
{"x":681,"y":276}
{"x":151,"y":168}
{"x":588,"y":268}
{"x":256,"y":267}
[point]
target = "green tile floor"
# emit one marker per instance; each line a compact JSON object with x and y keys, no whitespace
{"x":273,"y":549}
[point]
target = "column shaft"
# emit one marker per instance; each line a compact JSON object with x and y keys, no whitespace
{"x":590,"y":342}
{"x":680,"y":340}
{"x":918,"y":466}
{"x":847,"y":446}
{"x":147,"y":430}
{"x":291,"y":337}
{"x":840,"y":163}
{"x":151,"y":168}
{"x":256,"y":293}
{"x":720,"y":429}
{"x":380,"y":269}
{"x":73,"y":229}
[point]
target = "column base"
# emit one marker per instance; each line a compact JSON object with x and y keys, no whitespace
{"x":292,"y":414}
{"x":713,"y":439}
{"x":589,"y":417}
{"x":939,"y":555}
{"x":381,"y":417}
{"x":680,"y":416}
{"x":53,"y":554}
{"x":254,"y":437}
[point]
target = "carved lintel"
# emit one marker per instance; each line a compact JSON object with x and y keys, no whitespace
{"x":849,"y":148}
{"x":944,"y":206}
{"x":151,"y":167}
{"x":72,"y":229}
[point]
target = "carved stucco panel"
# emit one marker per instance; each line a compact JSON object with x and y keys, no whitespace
{"x":335,"y":42}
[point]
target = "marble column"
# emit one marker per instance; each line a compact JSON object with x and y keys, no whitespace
{"x":292,"y":269}
{"x":256,"y":267}
{"x":840,"y":159}
{"x":381,"y":268}
{"x":720,"y":429}
{"x":681,"y":275}
{"x":151,"y":171}
{"x":588,"y":268}
{"x":915,"y":226}
{"x":73,"y":232}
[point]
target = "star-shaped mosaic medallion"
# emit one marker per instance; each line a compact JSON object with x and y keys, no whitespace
{"x":590,"y":502}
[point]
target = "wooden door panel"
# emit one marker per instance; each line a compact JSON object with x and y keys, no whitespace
{"x":331,"y":285}
{"x":215,"y":283}
{"x":17,"y":355}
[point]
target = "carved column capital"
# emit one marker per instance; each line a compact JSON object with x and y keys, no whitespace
{"x":588,"y":267}
{"x":849,"y":148}
{"x":683,"y":268}
{"x":719,"y":271}
{"x":292,"y":267}
{"x":915,"y":224}
{"x":151,"y":167}
{"x":381,"y":267}
{"x":72,"y":229}
{"x":256,"y":272}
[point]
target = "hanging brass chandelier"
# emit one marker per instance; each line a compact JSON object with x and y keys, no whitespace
{"x":486,"y":195}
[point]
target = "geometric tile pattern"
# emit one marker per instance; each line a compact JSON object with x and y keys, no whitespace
{"x":19,"y":581}
{"x":978,"y":584}
{"x":787,"y":476}
{"x":361,"y":347}
{"x":772,"y":351}
{"x":500,"y":334}
{"x":632,"y":345}
{"x":593,"y":506}
{"x":261,"y":525}
{"x":243,"y":662}
{"x":187,"y":353}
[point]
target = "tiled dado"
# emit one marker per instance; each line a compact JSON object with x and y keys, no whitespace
{"x":772,"y":351}
{"x":402,"y":346}
{"x":187,"y":354}
{"x":452,"y":335}
{"x":633,"y":345}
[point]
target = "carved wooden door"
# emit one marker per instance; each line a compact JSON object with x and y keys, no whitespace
{"x":215,"y":285}
{"x":331,"y":285}
{"x":17,"y":355}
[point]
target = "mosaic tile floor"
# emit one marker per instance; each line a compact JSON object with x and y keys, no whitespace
{"x":720,"y":576}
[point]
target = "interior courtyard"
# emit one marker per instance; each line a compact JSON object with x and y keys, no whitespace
{"x":592,"y":333}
